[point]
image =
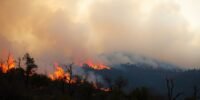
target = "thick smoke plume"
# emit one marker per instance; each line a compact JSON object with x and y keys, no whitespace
{"x":75,"y":30}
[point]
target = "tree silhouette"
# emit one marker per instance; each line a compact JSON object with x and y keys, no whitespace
{"x":195,"y":93}
{"x":8,"y":63}
{"x":170,"y":90}
{"x":69,"y":71}
{"x":109,"y":82}
{"x":120,"y":83}
{"x":30,"y":67}
{"x":19,"y":62}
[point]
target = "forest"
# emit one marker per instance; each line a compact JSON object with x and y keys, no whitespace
{"x":19,"y":80}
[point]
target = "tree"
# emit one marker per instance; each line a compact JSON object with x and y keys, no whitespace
{"x":109,"y":82}
{"x":117,"y":89}
{"x":195,"y":93}
{"x":10,"y":61}
{"x":70,"y":72}
{"x":142,"y":93}
{"x":170,"y":90}
{"x":120,"y":83}
{"x":30,"y":66}
{"x":19,"y":62}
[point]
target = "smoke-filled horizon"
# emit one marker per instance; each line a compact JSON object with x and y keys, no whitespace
{"x":64,"y":30}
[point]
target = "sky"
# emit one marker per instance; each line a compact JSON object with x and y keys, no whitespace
{"x":64,"y":30}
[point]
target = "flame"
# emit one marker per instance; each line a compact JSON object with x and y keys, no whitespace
{"x":5,"y":66}
{"x":102,"y":88}
{"x":59,"y":73}
{"x":96,"y":66}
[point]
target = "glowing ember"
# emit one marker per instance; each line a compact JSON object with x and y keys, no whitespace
{"x":105,"y":89}
{"x":102,"y":89}
{"x":5,"y":66}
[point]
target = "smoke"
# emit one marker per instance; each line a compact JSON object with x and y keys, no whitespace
{"x":74,"y":30}
{"x":162,"y":33}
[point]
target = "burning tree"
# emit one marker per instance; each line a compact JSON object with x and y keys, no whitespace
{"x":7,"y":65}
{"x":61,"y":74}
{"x":96,"y":66}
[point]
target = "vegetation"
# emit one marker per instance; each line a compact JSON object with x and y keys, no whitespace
{"x":26,"y":84}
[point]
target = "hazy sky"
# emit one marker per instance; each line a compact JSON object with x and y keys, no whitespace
{"x":58,"y":30}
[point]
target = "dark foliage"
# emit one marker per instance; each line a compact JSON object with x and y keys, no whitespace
{"x":26,"y":84}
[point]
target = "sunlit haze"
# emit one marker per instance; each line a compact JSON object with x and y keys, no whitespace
{"x":73,"y":30}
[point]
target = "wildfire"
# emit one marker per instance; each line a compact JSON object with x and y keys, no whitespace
{"x":96,"y":66}
{"x":102,"y":88}
{"x":7,"y":65}
{"x":59,"y":73}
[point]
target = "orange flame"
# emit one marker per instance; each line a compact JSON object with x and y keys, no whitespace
{"x":96,"y":66}
{"x":59,"y":73}
{"x":5,"y":66}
